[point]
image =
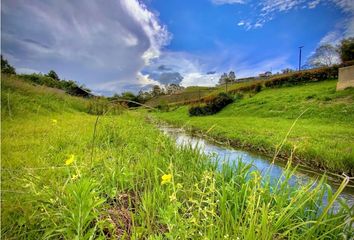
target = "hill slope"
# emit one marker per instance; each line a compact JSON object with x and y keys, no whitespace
{"x":66,"y":174}
{"x":323,"y":136}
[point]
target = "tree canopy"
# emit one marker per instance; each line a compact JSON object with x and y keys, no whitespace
{"x":346,"y":49}
{"x":53,"y":75}
{"x":325,"y":55}
{"x":6,"y":67}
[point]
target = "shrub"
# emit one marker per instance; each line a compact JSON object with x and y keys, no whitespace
{"x":163,"y":106}
{"x":311,"y":75}
{"x":258,"y":88}
{"x":238,"y":96}
{"x":213,"y":105}
{"x":310,"y":96}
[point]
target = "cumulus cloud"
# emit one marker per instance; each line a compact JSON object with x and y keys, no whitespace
{"x":182,"y":68}
{"x":102,"y":44}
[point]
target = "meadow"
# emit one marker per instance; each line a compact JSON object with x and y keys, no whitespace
{"x":68,"y":173}
{"x":322,"y":137}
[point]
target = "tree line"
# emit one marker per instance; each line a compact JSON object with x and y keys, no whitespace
{"x":51,"y":79}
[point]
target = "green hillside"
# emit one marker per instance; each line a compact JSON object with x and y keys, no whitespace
{"x":68,"y":174}
{"x":323,"y":136}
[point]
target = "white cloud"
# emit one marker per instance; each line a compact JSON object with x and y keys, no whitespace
{"x":220,"y":2}
{"x":241,"y":23}
{"x":343,"y":29}
{"x":313,"y":4}
{"x":347,"y":6}
{"x":333,"y":37}
{"x":104,"y":45}
{"x":268,"y":9}
{"x":200,"y":79}
{"x":26,"y":70}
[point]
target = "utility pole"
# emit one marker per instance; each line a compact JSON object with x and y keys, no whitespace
{"x":300,"y":57}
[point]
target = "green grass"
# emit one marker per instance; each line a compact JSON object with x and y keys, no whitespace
{"x":323,"y":136}
{"x":113,"y":187}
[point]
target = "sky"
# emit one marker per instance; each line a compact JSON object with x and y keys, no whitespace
{"x":113,"y":46}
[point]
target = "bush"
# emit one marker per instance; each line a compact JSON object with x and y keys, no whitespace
{"x":312,"y":75}
{"x":163,"y":106}
{"x":67,"y":85}
{"x":238,"y":96}
{"x":258,"y":88}
{"x":213,"y":105}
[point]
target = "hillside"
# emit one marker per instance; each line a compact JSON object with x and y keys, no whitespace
{"x":323,"y":136}
{"x":69,"y":174}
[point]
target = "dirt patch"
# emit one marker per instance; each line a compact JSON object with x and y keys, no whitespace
{"x":119,"y":215}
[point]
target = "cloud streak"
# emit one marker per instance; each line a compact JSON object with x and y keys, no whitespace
{"x":221,"y":2}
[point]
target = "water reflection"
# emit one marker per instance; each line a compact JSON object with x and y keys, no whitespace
{"x":263,"y":164}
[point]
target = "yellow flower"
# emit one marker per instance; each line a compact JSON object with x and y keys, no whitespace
{"x":173,"y":197}
{"x":74,"y":177}
{"x":70,"y":160}
{"x":166,"y":178}
{"x":179,"y":186}
{"x":54,"y":121}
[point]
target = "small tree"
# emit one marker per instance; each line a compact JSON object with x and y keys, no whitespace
{"x":346,"y":49}
{"x":223,"y":78}
{"x":287,"y":70}
{"x":232,"y":76}
{"x":53,"y":75}
{"x":6,"y":67}
{"x":325,"y":55}
{"x":156,"y":90}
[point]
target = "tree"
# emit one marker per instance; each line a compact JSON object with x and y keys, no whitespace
{"x":53,"y":75}
{"x":173,"y":88}
{"x":156,"y":90}
{"x":346,"y":49}
{"x":232,"y":76}
{"x":128,"y":96}
{"x":6,"y":67}
{"x":223,"y":78}
{"x":325,"y":55}
{"x":287,"y":70}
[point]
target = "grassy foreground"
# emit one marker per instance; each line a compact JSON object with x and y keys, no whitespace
{"x":323,"y":136}
{"x":131,"y":181}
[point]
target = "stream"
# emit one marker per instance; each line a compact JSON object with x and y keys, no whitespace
{"x":221,"y":152}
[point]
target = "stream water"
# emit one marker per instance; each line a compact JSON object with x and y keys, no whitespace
{"x":220,"y":152}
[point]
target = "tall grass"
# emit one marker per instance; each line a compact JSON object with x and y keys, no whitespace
{"x":122,"y":193}
{"x":140,"y":185}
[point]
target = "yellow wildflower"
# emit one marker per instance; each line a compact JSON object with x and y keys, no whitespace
{"x":173,"y":197}
{"x":179,"y":186}
{"x":75,"y":176}
{"x":54,"y":121}
{"x":166,"y":178}
{"x":70,"y":160}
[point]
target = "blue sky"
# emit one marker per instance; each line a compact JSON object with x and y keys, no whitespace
{"x":119,"y":45}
